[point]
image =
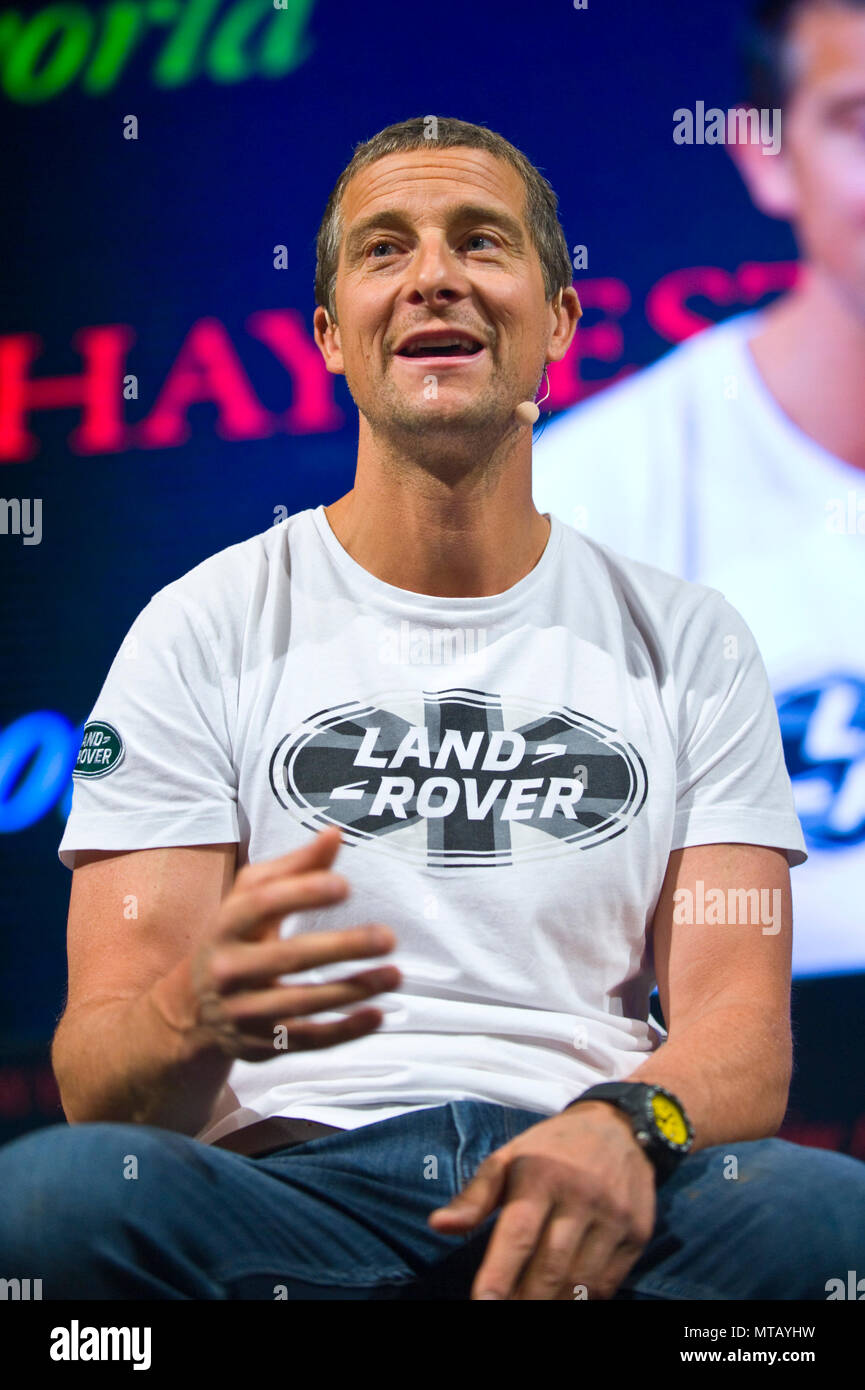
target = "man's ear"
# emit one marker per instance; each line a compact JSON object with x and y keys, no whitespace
{"x":325,"y":330}
{"x":769,"y":178}
{"x":568,"y":310}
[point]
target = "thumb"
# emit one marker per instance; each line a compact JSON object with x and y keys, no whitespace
{"x":477,"y":1199}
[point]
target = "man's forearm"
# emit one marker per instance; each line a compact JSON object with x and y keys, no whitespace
{"x":730,"y":1069}
{"x":131,"y":1060}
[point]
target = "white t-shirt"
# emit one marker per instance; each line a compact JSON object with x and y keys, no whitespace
{"x":691,"y":465}
{"x":510,"y":774}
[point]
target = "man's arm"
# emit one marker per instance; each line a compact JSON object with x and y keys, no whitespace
{"x":133,"y":917}
{"x":577,"y":1191}
{"x":174,"y":974}
{"x":725,"y":990}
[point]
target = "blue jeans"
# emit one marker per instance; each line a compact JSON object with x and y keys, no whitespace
{"x":123,"y":1211}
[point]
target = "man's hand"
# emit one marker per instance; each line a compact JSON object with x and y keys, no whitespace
{"x":578,"y":1199}
{"x":228,"y":995}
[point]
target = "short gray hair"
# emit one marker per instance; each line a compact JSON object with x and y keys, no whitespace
{"x":540,"y":211}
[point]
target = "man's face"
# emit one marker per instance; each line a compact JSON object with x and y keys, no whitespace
{"x":435,"y":241}
{"x":824,"y":143}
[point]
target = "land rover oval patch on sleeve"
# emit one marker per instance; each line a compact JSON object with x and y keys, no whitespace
{"x":101,"y":750}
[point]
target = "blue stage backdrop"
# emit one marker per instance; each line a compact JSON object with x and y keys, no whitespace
{"x":161,"y":395}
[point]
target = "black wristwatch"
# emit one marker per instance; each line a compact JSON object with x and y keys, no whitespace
{"x":657,"y":1117}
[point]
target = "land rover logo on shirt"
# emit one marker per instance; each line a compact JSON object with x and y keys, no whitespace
{"x":100,"y":752}
{"x":459,"y":778}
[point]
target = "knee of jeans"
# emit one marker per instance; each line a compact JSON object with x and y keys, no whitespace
{"x":66,"y":1183}
{"x":821,"y":1193}
{"x":805,"y":1173}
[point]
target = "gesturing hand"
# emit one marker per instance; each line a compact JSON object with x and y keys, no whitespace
{"x":233,"y":996}
{"x":578,"y":1207}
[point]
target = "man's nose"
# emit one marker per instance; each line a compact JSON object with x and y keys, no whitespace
{"x":436,"y":273}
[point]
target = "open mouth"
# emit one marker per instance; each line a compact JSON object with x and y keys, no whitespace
{"x":448,"y":347}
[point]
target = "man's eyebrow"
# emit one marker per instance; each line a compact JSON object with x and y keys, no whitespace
{"x":391,"y":220}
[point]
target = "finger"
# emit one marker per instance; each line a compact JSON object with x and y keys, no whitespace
{"x":315,"y":857}
{"x":511,"y":1245}
{"x":477,"y":1199}
{"x":247,"y":911}
{"x":303,"y":1036}
{"x":318,"y":853}
{"x":593,"y":1257}
{"x":622,"y":1261}
{"x":548,"y":1271}
{"x":296,"y":1001}
{"x":310,"y":949}
{"x":244,"y":965}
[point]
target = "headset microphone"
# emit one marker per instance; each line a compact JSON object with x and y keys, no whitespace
{"x":527,"y":412}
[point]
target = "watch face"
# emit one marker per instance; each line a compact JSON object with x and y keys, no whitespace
{"x":669,"y":1119}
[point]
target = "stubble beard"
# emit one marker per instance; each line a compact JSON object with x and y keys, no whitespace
{"x":435,"y":435}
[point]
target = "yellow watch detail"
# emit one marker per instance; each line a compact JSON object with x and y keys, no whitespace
{"x":669,"y":1119}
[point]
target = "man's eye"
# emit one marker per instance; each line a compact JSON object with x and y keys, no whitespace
{"x":388,"y":246}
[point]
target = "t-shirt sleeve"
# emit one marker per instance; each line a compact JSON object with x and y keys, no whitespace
{"x":155,"y":764}
{"x":732,"y":783}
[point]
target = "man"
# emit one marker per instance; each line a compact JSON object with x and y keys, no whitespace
{"x":738,"y":460}
{"x":535,"y":755}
